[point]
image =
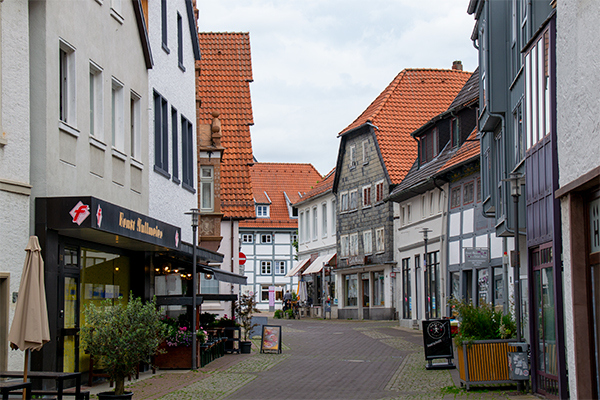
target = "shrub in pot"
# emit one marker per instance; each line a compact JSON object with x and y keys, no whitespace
{"x":244,"y":308}
{"x":121,"y":336}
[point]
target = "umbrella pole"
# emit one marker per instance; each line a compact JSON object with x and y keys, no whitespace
{"x":25,"y":372}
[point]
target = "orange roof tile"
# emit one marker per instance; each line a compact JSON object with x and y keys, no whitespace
{"x":469,"y":150}
{"x":223,"y":85}
{"x":279,"y":180}
{"x":413,"y":97}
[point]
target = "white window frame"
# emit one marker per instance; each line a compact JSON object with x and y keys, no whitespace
{"x":431,"y":203}
{"x":266,"y":238}
{"x":262,"y":211}
{"x":247,"y":238}
{"x":379,"y":191}
{"x":368,"y":242}
{"x":353,"y":199}
{"x":408,"y":213}
{"x":344,"y":246}
{"x":307,"y":226}
{"x":280,"y":267}
{"x":315,"y":224}
{"x":365,"y":148}
{"x":352,"y":163}
{"x":403,"y":215}
{"x":344,"y":202}
{"x":423,"y":205}
{"x":207,"y":185}
{"x":366,"y":196}
{"x":135,"y":126}
{"x":116,"y":112}
{"x":266,"y":267}
{"x":301,"y":227}
{"x":379,"y":240}
{"x":67,"y":101}
{"x":324,"y":220}
{"x":333,"y":216}
{"x":353,"y":241}
{"x":96,"y":102}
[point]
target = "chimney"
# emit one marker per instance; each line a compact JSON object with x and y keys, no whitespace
{"x":457,"y":65}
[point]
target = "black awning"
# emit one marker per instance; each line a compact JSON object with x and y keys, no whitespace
{"x":225,"y":276}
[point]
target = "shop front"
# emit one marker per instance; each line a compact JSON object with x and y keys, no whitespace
{"x":96,"y":251}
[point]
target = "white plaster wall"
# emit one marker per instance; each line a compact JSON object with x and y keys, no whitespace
{"x":96,"y":35}
{"x":325,"y":242}
{"x":169,"y":201}
{"x":14,"y":156}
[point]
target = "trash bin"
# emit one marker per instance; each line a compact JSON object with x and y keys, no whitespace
{"x":518,"y":363}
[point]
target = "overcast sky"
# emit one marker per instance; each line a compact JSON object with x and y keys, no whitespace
{"x":318,"y":64}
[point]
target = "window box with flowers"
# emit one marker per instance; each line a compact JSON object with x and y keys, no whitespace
{"x":176,"y":350}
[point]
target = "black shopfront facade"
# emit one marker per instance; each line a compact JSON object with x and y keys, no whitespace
{"x":94,"y":250}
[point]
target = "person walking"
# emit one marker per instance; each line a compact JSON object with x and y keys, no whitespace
{"x":287,"y":300}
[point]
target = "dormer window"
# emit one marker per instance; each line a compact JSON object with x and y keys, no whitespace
{"x":428,"y":146}
{"x":262,"y":211}
{"x":455,"y":132}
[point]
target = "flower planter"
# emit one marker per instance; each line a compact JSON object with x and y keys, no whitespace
{"x":484,"y":362}
{"x":246,"y":347}
{"x":175,"y":357}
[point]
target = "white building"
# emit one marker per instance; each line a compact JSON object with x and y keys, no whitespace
{"x":15,"y":185}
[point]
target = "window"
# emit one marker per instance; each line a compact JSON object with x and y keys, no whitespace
{"x":537,"y":90}
{"x":378,"y":289}
{"x":519,"y":137}
{"x":67,"y":89}
{"x":379,"y":240}
{"x":365,"y":149}
{"x":403,"y":219}
{"x":428,"y":146}
{"x":279,"y":267}
{"x":333,"y":215}
{"x":478,"y":190}
{"x":455,"y":197}
{"x":315,"y":224}
{"x":180,"y":41}
{"x":135,"y":133}
{"x":351,"y":290}
{"x":468,"y":192}
{"x":209,"y":285}
{"x":353,"y":244}
{"x":441,"y":199}
{"x":366,"y":196}
{"x":175,"y":145}
{"x":455,"y":132}
{"x":431,"y":202}
{"x":161,"y":135}
{"x":344,"y":246}
{"x":96,"y":102}
{"x":353,"y":199}
{"x":117,"y":120}
{"x":409,"y":213}
{"x":423,"y":204}
{"x":352,"y":157}
{"x":379,"y":191}
{"x":206,"y":188}
{"x":406,"y":290}
{"x":163,"y":15}
{"x":344,"y":202}
{"x":324,"y":219}
{"x":307,"y":226}
{"x":368,"y":242}
{"x":247,"y":238}
{"x":187,"y":154}
{"x":301,"y":227}
{"x":266,"y":238}
{"x":262,"y":211}
{"x":433,"y":264}
{"x":265,"y":267}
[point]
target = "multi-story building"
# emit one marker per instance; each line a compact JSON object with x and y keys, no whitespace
{"x":269,"y":240}
{"x":102,"y":236}
{"x":578,"y":146}
{"x":317,"y":242}
{"x":15,"y":185}
{"x":223,"y":89}
{"x":517,"y":120}
{"x":375,"y":154}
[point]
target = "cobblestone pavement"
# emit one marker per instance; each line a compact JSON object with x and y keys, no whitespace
{"x":322,"y":359}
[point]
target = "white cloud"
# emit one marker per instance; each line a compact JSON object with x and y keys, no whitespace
{"x":317,"y":64}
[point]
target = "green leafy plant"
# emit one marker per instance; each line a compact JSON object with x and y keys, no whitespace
{"x":122,"y":335}
{"x":208,"y":320}
{"x":481,"y":322}
{"x":289,"y":313}
{"x":278,"y":314}
{"x":244,"y":308}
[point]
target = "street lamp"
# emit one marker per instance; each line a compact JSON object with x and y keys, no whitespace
{"x":425,"y":231}
{"x":194,"y":212}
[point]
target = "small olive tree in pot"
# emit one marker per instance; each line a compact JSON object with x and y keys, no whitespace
{"x":121,"y":336}
{"x":244,"y":308}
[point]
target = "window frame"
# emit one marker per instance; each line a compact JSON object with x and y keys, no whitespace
{"x":352,"y":163}
{"x":67,"y":80}
{"x":207,"y":182}
{"x":324,"y":220}
{"x":466,"y":185}
{"x":247,"y":238}
{"x":353,"y":199}
{"x":187,"y":154}
{"x":280,"y":267}
{"x":161,"y":135}
{"x":455,"y":132}
{"x":345,"y":202}
{"x":456,"y":197}
{"x":135,"y":123}
{"x":266,"y":238}
{"x":344,"y":246}
{"x":266,"y":267}
{"x":380,"y":240}
{"x":180,"y":42}
{"x":366,"y":196}
{"x":263,"y":211}
{"x":164,"y":26}
{"x":379,"y":192}
{"x":175,"y":145}
{"x":117,"y":114}
{"x":315,"y":224}
{"x":353,"y":244}
{"x":365,"y":148}
{"x":368,"y":250}
{"x":96,"y":101}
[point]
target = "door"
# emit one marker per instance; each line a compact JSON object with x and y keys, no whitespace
{"x":365,"y":289}
{"x":69,"y":304}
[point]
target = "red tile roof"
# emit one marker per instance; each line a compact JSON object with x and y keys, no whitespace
{"x":324,"y":185}
{"x":413,"y":97}
{"x":278,"y":180}
{"x":223,"y":85}
{"x":468,"y":151}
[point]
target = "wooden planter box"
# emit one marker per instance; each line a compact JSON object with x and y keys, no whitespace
{"x":179,"y":357}
{"x":484,"y":362}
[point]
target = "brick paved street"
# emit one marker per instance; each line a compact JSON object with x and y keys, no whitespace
{"x":321,"y":359}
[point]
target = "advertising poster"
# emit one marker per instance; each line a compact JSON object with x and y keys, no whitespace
{"x":271,"y":339}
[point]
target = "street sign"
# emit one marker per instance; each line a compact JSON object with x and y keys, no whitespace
{"x":242,"y":257}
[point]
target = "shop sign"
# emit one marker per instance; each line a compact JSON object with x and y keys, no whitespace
{"x":476,"y":257}
{"x":437,"y":339}
{"x":356,"y":260}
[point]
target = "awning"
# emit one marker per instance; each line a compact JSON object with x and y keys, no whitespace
{"x":298,"y":268}
{"x":224,"y":276}
{"x":317,"y":265}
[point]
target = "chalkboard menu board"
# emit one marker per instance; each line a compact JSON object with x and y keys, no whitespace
{"x":437,"y":342}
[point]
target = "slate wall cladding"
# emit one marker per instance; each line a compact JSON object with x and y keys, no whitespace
{"x":379,"y":214}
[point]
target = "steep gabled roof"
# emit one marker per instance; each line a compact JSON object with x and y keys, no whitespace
{"x":223,"y":85}
{"x":469,"y":92}
{"x":281,"y":182}
{"x":413,"y":97}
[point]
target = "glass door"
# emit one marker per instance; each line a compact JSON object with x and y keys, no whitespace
{"x":68,"y":357}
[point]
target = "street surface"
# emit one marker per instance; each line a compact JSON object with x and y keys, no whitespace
{"x":321,"y":359}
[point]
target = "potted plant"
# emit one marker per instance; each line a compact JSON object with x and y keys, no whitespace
{"x":482,"y":343}
{"x":244,"y":308}
{"x":121,"y":336}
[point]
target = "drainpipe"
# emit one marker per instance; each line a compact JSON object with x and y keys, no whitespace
{"x":232,"y":261}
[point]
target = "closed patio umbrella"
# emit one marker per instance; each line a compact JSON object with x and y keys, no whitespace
{"x":30,"y":330}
